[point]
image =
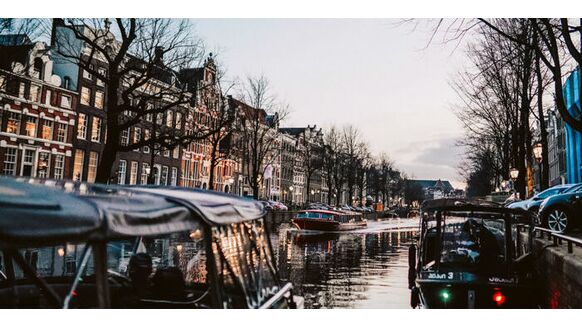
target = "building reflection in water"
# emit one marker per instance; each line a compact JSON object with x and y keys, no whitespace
{"x":361,"y":269}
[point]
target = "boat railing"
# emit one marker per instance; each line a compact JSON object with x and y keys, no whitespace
{"x":555,"y":237}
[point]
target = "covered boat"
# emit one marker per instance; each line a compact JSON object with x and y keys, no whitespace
{"x":472,"y":255}
{"x":324,"y":220}
{"x":72,"y":245}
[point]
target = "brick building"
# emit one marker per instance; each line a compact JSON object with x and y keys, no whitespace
{"x":37,"y":116}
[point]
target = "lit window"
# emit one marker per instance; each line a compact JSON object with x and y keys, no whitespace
{"x":47,"y":130}
{"x":30,"y":126}
{"x":78,"y":165}
{"x":176,"y":152}
{"x":169,"y":118}
{"x":136,"y":135}
{"x":13,"y":124}
{"x":178,"y":120}
{"x":99,"y":99}
{"x":85,"y":96}
{"x":133,"y":173}
{"x":96,"y":130}
{"x":92,"y":171}
{"x":145,"y":167}
{"x":82,"y":126}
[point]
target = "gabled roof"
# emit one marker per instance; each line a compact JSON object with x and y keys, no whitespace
{"x":444,"y":185}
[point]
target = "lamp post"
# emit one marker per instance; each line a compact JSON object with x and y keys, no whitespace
{"x":291,"y":191}
{"x":513,"y":174}
{"x":538,"y":155}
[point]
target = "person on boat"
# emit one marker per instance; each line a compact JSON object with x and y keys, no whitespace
{"x":169,"y":284}
{"x":139,"y":272}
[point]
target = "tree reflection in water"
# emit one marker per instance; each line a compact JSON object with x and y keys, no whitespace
{"x":359,"y":269}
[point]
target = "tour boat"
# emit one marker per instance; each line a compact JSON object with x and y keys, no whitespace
{"x":324,"y":220}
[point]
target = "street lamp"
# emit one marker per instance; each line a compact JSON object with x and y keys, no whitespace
{"x":513,"y":173}
{"x":538,"y":151}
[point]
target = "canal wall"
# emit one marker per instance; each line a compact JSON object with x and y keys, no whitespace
{"x":559,"y":274}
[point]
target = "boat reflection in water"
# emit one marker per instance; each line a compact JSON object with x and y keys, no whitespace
{"x":359,"y":269}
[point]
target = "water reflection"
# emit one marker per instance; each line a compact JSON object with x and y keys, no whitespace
{"x":360,"y":269}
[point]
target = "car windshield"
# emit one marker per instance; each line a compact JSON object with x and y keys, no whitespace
{"x":549,"y":192}
{"x":574,"y":188}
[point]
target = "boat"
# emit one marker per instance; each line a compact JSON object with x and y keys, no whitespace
{"x":67,"y":244}
{"x":325,"y":220}
{"x":472,"y":254}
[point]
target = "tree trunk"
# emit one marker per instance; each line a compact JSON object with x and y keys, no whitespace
{"x":545,"y":166}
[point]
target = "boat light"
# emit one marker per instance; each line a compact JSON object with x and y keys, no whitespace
{"x":445,"y":295}
{"x":499,"y":298}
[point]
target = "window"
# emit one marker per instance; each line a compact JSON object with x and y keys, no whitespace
{"x":2,"y":83}
{"x":13,"y":124}
{"x":99,"y":99}
{"x":47,"y":130}
{"x":30,"y":126}
{"x":169,"y":118}
{"x":166,"y":153}
{"x":67,"y":82}
{"x":66,"y":101}
{"x":178,"y":120}
{"x":121,"y":171}
{"x":96,"y":129}
{"x":47,"y":97}
{"x":133,"y":173}
{"x":136,"y":135}
{"x":149,"y":116}
{"x":78,"y":164}
{"x":145,"y":168}
{"x":21,"y":88}
{"x":87,"y":74}
{"x":159,"y":118}
{"x":85,"y":96}
{"x":92,"y":172}
{"x":125,"y":137}
{"x":43,"y":164}
{"x":176,"y":152}
{"x":174,"y":178}
{"x":164,"y":177}
{"x":82,"y":126}
{"x":34,"y":94}
{"x":59,"y":166}
{"x":10,"y":161}
{"x":103,"y":72}
{"x":61,"y":132}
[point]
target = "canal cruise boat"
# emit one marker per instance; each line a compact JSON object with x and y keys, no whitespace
{"x":77,"y":245}
{"x":472,"y":255}
{"x":324,"y":220}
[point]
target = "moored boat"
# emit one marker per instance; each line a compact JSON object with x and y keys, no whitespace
{"x":324,"y":220}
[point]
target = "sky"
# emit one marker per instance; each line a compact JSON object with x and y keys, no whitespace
{"x":376,"y":74}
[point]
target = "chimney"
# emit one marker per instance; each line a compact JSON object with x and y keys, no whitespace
{"x":159,"y":55}
{"x":56,"y":23}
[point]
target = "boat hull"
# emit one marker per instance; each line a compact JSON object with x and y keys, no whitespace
{"x":327,"y":225}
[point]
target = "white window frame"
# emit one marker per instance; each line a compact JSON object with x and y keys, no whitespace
{"x":82,"y":126}
{"x":121,"y":172}
{"x":133,"y":173}
{"x":59,"y":167}
{"x":10,"y":159}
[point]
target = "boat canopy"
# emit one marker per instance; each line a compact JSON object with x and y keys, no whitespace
{"x":452,"y":204}
{"x":44,"y":212}
{"x":213,"y":207}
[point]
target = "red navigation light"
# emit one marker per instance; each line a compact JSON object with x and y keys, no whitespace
{"x":498,"y":298}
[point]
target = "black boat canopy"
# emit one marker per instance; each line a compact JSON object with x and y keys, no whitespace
{"x":453,"y":204}
{"x":37,"y":212}
{"x":215,"y":208}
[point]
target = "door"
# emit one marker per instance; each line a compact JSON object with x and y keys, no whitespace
{"x":28,"y":162}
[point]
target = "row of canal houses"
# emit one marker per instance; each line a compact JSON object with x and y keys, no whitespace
{"x":53,"y":121}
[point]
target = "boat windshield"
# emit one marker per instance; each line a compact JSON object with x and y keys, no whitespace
{"x":472,"y":242}
{"x":314,"y":215}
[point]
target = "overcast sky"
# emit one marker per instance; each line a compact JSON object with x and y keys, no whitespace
{"x":374,"y":74}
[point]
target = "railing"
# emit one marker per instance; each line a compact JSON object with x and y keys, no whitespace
{"x":557,"y":238}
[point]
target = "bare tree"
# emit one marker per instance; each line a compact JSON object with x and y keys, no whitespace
{"x":259,"y":117}
{"x":142,"y":58}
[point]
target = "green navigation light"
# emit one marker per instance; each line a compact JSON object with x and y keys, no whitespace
{"x":445,"y":295}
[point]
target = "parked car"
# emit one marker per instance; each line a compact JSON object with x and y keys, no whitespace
{"x":533,"y":204}
{"x":562,"y":212}
{"x":278,"y":205}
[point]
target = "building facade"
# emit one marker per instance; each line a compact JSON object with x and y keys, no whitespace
{"x":37,"y":116}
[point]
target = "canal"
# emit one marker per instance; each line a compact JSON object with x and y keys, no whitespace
{"x":365,"y":268}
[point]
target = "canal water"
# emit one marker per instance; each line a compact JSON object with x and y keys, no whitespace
{"x":365,"y":268}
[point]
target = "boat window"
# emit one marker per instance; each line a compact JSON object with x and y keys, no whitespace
{"x":473,"y":242}
{"x":245,"y":263}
